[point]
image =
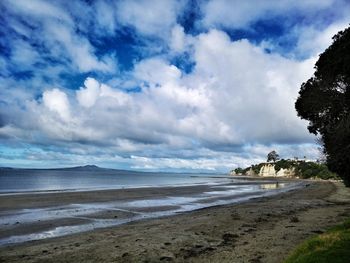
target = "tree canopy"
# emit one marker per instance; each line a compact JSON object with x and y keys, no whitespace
{"x":324,"y":100}
{"x":239,"y":170}
{"x":272,"y":156}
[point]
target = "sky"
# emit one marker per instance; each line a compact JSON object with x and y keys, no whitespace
{"x":158,"y":85}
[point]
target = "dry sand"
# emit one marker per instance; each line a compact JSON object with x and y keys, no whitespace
{"x":261,"y":230}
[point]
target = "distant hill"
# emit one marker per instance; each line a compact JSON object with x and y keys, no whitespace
{"x":75,"y":168}
{"x":79,"y":168}
{"x":82,"y":168}
{"x":87,"y":168}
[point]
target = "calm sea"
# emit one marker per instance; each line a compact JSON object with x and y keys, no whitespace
{"x":23,"y":180}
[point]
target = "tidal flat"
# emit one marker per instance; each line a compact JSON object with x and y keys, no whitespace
{"x":257,"y":228}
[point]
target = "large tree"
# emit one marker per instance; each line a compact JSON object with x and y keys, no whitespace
{"x":272,"y":156}
{"x":324,"y":100}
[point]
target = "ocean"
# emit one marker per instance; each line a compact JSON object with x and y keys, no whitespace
{"x":91,"y":178}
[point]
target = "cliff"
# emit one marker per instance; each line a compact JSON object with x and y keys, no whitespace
{"x":268,"y":170}
{"x":288,"y":168}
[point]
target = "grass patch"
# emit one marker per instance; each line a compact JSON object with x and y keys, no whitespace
{"x":331,"y":246}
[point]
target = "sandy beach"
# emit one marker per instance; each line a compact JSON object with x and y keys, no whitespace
{"x":260,"y":230}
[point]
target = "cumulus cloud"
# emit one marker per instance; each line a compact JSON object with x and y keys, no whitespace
{"x":156,"y":71}
{"x":220,"y":104}
{"x":264,"y":93}
{"x":178,"y":39}
{"x":70,"y":100}
{"x":312,"y":40}
{"x":87,"y":96}
{"x":57,"y":101}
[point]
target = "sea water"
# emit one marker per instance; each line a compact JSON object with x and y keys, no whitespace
{"x":25,"y":180}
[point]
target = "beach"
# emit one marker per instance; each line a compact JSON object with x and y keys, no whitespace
{"x":263,"y":229}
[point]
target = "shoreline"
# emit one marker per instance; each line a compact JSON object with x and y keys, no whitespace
{"x":258,"y":230}
{"x":27,"y":217}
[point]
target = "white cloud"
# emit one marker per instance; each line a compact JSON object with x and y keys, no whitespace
{"x":156,"y":71}
{"x":235,"y":105}
{"x":78,"y":48}
{"x":23,"y":55}
{"x":57,"y":101}
{"x":240,"y":14}
{"x":252,"y":92}
{"x":106,"y":17}
{"x":54,"y":29}
{"x":237,"y":94}
{"x":87,"y":96}
{"x":177,"y":42}
{"x":312,"y":40}
{"x":39,"y":8}
{"x":149,"y":17}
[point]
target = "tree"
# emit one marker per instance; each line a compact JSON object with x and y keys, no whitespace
{"x":272,"y":156}
{"x":324,"y":100}
{"x":239,"y":170}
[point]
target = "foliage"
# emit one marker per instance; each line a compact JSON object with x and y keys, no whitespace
{"x":324,"y":100}
{"x":304,"y":170}
{"x":285,"y":164}
{"x":239,"y":170}
{"x":332,"y":246}
{"x":256,"y":168}
{"x":272,"y":156}
{"x":308,"y":170}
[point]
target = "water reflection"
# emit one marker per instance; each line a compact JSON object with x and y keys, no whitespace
{"x":272,"y":186}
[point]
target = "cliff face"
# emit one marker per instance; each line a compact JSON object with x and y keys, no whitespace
{"x":268,"y":170}
{"x":251,"y":172}
{"x":286,"y":172}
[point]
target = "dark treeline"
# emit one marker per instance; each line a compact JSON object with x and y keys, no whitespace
{"x":324,"y":100}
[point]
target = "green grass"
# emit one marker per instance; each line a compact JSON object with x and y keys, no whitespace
{"x":331,"y":246}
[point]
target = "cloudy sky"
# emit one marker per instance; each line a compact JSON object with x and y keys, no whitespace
{"x":158,"y":84}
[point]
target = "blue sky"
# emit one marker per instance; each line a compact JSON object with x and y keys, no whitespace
{"x":156,"y":84}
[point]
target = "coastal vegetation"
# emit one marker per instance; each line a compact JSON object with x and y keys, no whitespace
{"x":324,"y":100}
{"x":272,"y":156}
{"x":331,"y":246}
{"x":302,"y":169}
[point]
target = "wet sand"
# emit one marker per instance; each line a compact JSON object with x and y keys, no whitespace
{"x":260,"y":230}
{"x":39,"y":215}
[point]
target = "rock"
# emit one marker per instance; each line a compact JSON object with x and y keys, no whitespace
{"x":286,"y":172}
{"x":267,"y":170}
{"x":251,"y":172}
{"x":166,"y":258}
{"x":228,"y":238}
{"x":317,"y":231}
{"x":294,"y":219}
